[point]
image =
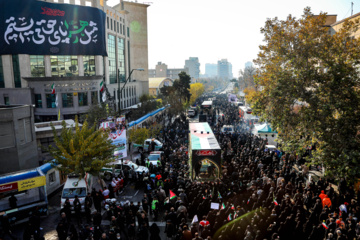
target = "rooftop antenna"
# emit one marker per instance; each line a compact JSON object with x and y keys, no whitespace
{"x":352,"y":8}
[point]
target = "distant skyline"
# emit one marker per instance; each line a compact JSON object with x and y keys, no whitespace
{"x":213,"y":30}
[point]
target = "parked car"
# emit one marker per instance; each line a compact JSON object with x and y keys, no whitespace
{"x":140,"y":148}
{"x":191,"y":113}
{"x":118,"y":166}
{"x":154,"y":156}
{"x":228,"y":129}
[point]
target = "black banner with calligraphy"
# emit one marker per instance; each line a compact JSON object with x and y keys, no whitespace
{"x":42,"y":28}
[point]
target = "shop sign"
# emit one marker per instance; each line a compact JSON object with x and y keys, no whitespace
{"x":31,"y":183}
{"x":8,"y":187}
{"x":206,"y":153}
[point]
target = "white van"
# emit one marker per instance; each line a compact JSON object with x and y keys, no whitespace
{"x":228,"y":129}
{"x":73,"y":186}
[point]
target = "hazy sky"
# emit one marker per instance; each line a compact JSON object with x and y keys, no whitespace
{"x":212,"y":30}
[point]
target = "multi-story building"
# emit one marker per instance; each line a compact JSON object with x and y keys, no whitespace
{"x":162,"y":71}
{"x":211,"y":69}
{"x":28,"y":79}
{"x":248,"y":64}
{"x":224,"y":69}
{"x":194,"y":67}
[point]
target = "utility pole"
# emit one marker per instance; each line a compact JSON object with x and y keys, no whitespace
{"x":352,"y":8}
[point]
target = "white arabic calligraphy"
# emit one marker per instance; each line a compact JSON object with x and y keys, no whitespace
{"x":52,"y":31}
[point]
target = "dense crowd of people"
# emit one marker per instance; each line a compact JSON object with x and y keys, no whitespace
{"x":260,"y":193}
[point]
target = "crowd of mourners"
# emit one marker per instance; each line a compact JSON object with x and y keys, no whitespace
{"x":262,"y":194}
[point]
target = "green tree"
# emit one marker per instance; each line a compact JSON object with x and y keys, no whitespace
{"x":196,"y":90}
{"x":138,"y":135}
{"x":246,"y":78}
{"x":309,"y":85}
{"x":96,"y":113}
{"x":81,"y":150}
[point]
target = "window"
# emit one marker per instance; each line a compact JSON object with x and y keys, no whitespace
{"x":38,"y":101}
{"x":88,"y":4}
{"x":6,"y":101}
{"x":94,"y":97}
{"x":121,"y":28}
{"x":89,"y":65}
{"x":67,"y":100}
{"x":2,"y":82}
{"x":77,"y":2}
{"x":64,"y":66}
{"x":112,"y":58}
{"x":37,"y":66}
{"x":16,"y":69}
{"x":52,"y":178}
{"x":128,"y":31}
{"x":117,"y":23}
{"x":50,"y":101}
{"x":111,"y":24}
{"x":107,"y":22}
{"x":128,"y":46}
{"x":83,"y":99}
{"x":121,"y":59}
{"x":124,"y":29}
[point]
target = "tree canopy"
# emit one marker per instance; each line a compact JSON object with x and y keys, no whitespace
{"x":308,"y":84}
{"x":177,"y":95}
{"x":81,"y":150}
{"x":196,"y":90}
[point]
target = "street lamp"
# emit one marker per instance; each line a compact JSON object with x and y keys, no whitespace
{"x":120,"y":90}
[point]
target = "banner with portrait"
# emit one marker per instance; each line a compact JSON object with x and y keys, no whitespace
{"x":43,"y":28}
{"x":119,"y":140}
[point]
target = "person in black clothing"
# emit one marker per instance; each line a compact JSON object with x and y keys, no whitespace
{"x":13,"y":201}
{"x":88,"y":205}
{"x":97,"y":218}
{"x":77,"y":208}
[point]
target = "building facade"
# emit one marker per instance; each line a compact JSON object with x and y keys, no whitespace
{"x":156,"y":83}
{"x":18,"y":147}
{"x":211,"y":69}
{"x":162,"y":71}
{"x":194,"y":67}
{"x":224,"y":69}
{"x":28,"y":79}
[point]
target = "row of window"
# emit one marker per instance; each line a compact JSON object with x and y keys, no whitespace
{"x":116,"y":26}
{"x":116,"y":58}
{"x":62,"y":66}
{"x":67,"y":99}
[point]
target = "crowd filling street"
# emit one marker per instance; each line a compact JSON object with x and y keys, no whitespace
{"x":262,"y":194}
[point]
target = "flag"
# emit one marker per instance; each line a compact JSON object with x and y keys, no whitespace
{"x":235,"y":215}
{"x":195,"y":219}
{"x":248,"y":201}
{"x":166,"y":201}
{"x":53,"y":88}
{"x":203,"y":197}
{"x":274,"y":200}
{"x":219,"y":196}
{"x":232,"y":207}
{"x":324,"y":225}
{"x":222,"y":206}
{"x":102,"y":86}
{"x":56,"y":100}
{"x":172,"y":194}
{"x":229,"y":218}
{"x":59,"y":115}
{"x":104,"y":97}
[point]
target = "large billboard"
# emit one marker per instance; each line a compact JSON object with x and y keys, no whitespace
{"x":119,"y":140}
{"x":42,"y":28}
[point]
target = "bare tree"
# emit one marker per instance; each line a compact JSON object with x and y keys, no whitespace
{"x":246,"y":79}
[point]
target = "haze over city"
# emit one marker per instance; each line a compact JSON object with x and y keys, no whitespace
{"x":213,"y":30}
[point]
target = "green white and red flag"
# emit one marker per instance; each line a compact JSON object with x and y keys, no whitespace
{"x":172,"y":194}
{"x":324,"y":225}
{"x":53,"y":88}
{"x":229,"y":218}
{"x":102,"y":86}
{"x":232,"y":207}
{"x":223,"y":206}
{"x":274,"y":200}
